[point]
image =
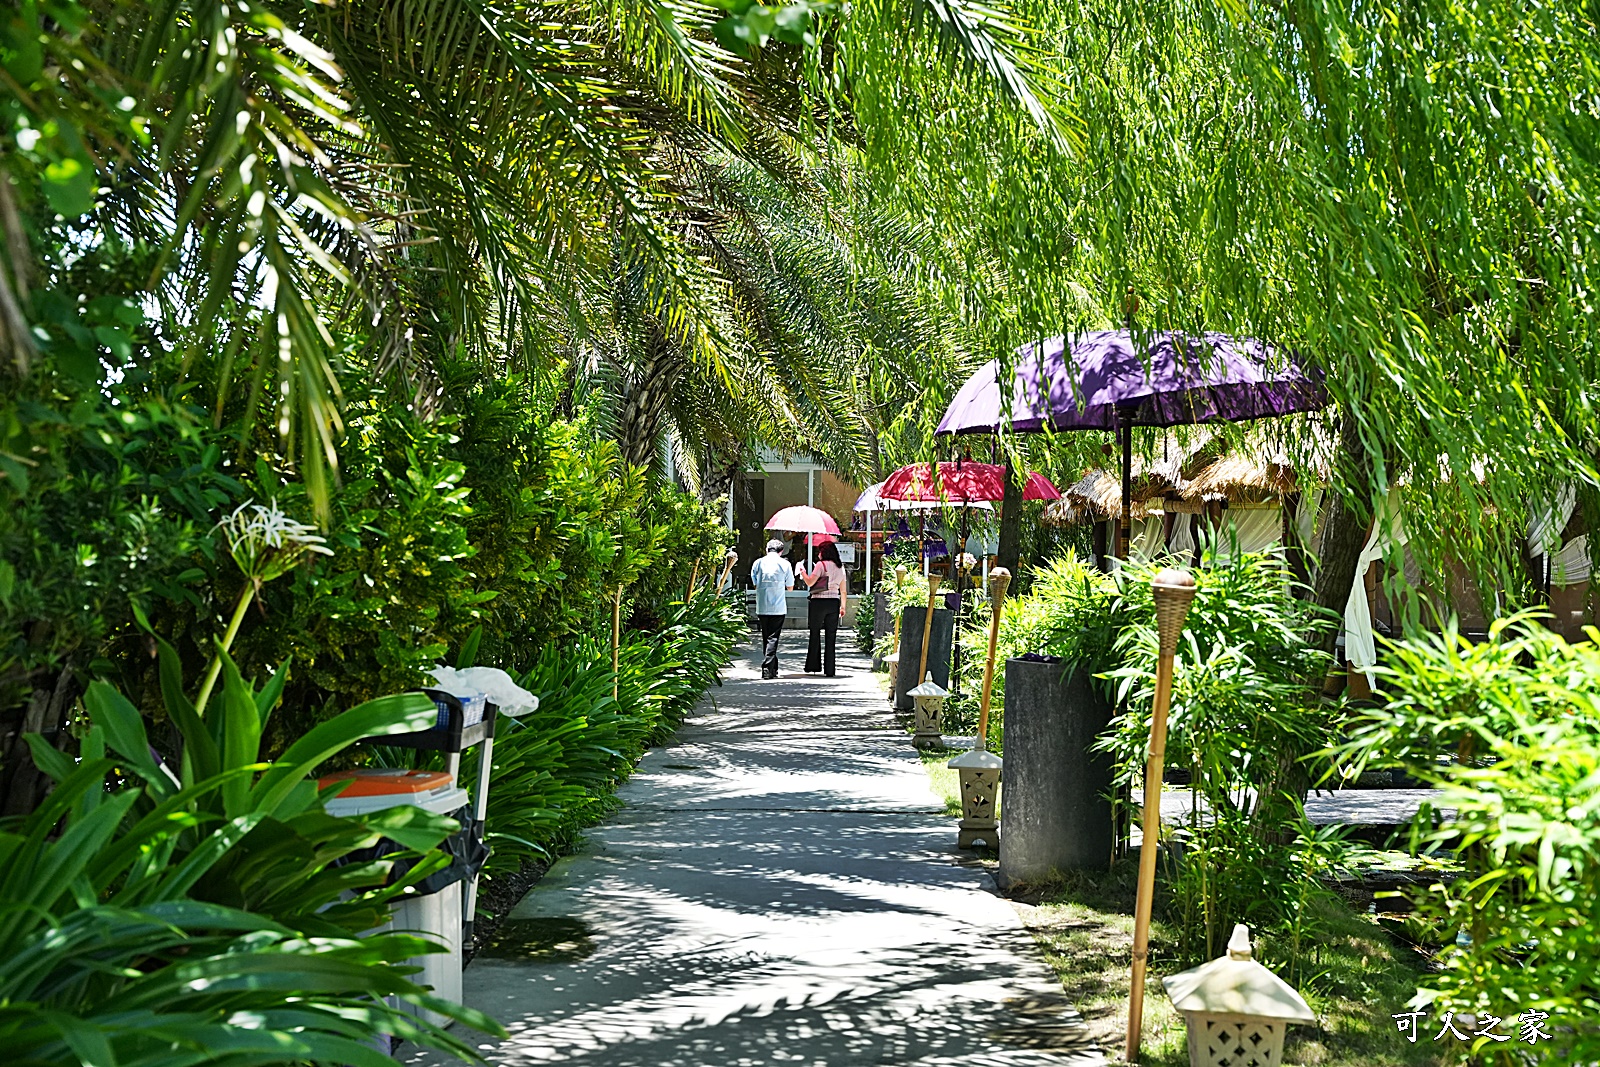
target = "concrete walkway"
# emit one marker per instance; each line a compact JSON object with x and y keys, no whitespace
{"x":780,"y":888}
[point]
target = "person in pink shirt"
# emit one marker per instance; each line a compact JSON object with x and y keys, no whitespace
{"x":826,"y":580}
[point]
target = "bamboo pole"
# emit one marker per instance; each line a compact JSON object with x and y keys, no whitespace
{"x":927,"y":626}
{"x":1174,"y":591}
{"x":616,"y":645}
{"x":694,"y":576}
{"x":727,"y":568}
{"x":999,"y":579}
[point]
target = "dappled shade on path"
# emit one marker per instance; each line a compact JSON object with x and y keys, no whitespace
{"x":780,"y":889}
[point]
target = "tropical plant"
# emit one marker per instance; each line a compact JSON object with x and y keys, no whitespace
{"x":203,"y":915}
{"x":1509,"y":731}
{"x":1243,"y":712}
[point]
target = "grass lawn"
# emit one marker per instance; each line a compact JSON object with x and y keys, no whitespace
{"x":1084,"y":925}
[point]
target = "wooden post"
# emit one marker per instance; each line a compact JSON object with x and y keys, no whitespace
{"x":927,"y":626}
{"x":1174,"y":591}
{"x":727,"y":569}
{"x":616,"y":645}
{"x":694,"y":576}
{"x":999,"y":579}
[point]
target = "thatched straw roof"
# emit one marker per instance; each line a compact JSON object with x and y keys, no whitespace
{"x":1095,"y":497}
{"x":1203,"y":467}
{"x":1242,"y":479}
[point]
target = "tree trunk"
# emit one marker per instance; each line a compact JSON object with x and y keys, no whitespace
{"x":644,"y":400}
{"x":25,"y":784}
{"x":1009,"y":551}
{"x":1345,"y":529}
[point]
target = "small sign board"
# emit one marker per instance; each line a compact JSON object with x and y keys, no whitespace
{"x":847,"y":553}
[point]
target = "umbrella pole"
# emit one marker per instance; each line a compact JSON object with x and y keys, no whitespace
{"x":1124,"y":526}
{"x":869,"y":597}
{"x":1174,"y":591}
{"x":927,"y":627}
{"x":999,"y":578}
{"x":962,"y":575}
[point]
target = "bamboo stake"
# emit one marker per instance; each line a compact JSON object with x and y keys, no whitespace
{"x":616,"y":645}
{"x":727,"y":568}
{"x":927,"y":626}
{"x":1174,"y":591}
{"x":999,"y":579}
{"x":694,"y":576}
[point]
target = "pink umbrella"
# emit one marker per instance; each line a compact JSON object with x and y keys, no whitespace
{"x":803,"y":519}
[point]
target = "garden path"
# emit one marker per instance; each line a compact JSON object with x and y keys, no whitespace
{"x":780,"y":887}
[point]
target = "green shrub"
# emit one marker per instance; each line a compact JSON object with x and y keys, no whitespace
{"x":1246,"y":710}
{"x":1509,"y":731}
{"x":198,"y":916}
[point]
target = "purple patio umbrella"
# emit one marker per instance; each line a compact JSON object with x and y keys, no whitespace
{"x":1111,"y":380}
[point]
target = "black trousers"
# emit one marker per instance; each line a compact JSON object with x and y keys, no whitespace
{"x":823,"y":614}
{"x":771,"y":627}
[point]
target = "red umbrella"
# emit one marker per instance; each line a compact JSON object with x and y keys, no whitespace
{"x":961,"y":482}
{"x":803,"y":519}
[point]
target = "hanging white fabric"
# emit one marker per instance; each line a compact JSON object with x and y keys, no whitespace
{"x":1549,"y":519}
{"x":1145,"y":539}
{"x":1388,"y":531}
{"x":1182,"y":541}
{"x":1258,"y":528}
{"x":1571,"y":565}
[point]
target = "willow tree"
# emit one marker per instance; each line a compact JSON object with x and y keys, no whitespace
{"x":1404,"y":192}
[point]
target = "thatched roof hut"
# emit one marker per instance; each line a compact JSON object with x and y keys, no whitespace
{"x":1240,"y":478}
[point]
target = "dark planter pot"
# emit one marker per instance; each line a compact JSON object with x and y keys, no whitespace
{"x":911,"y":621}
{"x":1056,"y":807}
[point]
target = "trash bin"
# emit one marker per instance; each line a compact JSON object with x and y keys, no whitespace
{"x":434,"y":910}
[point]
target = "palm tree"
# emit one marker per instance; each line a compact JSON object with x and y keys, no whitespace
{"x":422,"y":175}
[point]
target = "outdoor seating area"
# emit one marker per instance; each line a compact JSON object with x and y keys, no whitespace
{"x":1022,"y":534}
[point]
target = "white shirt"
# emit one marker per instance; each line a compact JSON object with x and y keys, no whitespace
{"x":771,"y":576}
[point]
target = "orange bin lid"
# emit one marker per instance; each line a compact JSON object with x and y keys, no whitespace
{"x":386,"y":782}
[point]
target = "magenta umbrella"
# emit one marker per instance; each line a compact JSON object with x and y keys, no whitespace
{"x":961,"y":481}
{"x":1115,"y":380}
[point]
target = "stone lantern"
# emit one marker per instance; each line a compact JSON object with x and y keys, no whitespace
{"x":979,"y":772}
{"x":1236,"y":1010}
{"x":928,"y":699}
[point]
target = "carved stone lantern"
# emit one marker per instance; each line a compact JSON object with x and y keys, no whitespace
{"x":979,"y":772}
{"x":1236,"y":1010}
{"x":928,"y":699}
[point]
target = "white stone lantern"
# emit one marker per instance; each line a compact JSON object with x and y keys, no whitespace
{"x":1236,"y":1010}
{"x":979,"y":772}
{"x":928,"y":700}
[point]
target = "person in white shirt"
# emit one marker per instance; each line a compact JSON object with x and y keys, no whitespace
{"x":826,"y":580}
{"x":772,"y":578}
